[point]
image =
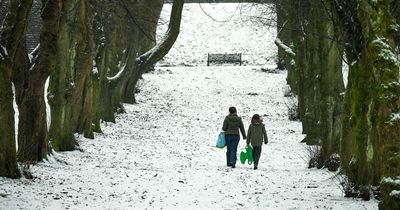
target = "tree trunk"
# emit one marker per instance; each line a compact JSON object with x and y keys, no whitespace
{"x":281,"y":21}
{"x":331,"y":86}
{"x":307,"y":63}
{"x":382,"y":154}
{"x":314,"y":71}
{"x":70,"y":84}
{"x":8,"y":157}
{"x":33,"y":131}
{"x":96,"y":101}
{"x":146,"y":28}
{"x":116,"y":62}
{"x":161,"y":49}
{"x":371,"y":128}
{"x":11,"y":43}
{"x":32,"y":127}
{"x":151,"y":55}
{"x":112,"y":53}
{"x":350,"y":28}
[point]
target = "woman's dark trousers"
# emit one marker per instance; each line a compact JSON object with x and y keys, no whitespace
{"x":256,"y":154}
{"x":232,"y":142}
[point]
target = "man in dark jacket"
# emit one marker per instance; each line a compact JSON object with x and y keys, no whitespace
{"x":231,"y":126}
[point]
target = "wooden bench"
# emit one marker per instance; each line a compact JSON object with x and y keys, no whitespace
{"x":224,"y":58}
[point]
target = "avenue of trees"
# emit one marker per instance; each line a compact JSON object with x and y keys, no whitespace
{"x":359,"y":123}
{"x":92,"y":54}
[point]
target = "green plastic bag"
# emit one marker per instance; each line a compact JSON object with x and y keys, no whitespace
{"x":247,"y":155}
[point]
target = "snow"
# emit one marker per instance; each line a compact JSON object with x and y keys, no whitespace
{"x":287,"y":49}
{"x":4,"y":51}
{"x":391,"y":180}
{"x":95,"y":70}
{"x":345,"y":72}
{"x":32,"y":55}
{"x":46,"y":100}
{"x":395,"y":193}
{"x":292,"y":62}
{"x":395,"y":117}
{"x":221,"y":28}
{"x":161,"y":154}
{"x":118,"y":75}
{"x":16,"y":114}
{"x":386,"y":52}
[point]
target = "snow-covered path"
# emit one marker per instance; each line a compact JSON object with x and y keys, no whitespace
{"x":160,"y":154}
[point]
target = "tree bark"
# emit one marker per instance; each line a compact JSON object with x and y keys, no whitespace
{"x":381,"y":156}
{"x":71,"y":86}
{"x":331,"y":86}
{"x":112,"y":54}
{"x":8,"y":157}
{"x":145,"y":15}
{"x":12,"y":43}
{"x":371,"y":132}
{"x":33,"y":130}
{"x":116,"y":60}
{"x":284,"y":32}
{"x":313,"y":59}
{"x":161,"y":49}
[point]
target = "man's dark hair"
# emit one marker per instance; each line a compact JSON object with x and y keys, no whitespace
{"x":232,"y":110}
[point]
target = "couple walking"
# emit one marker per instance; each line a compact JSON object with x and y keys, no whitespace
{"x":255,"y":136}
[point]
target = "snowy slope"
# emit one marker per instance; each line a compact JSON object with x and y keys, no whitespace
{"x":160,"y":154}
{"x":220,"y":28}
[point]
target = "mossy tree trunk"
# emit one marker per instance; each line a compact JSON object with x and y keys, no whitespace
{"x":82,"y":113}
{"x":314,"y":71}
{"x":8,"y":157}
{"x":298,"y":40}
{"x":311,"y":72}
{"x":11,"y":44}
{"x":371,"y":130}
{"x":116,"y":56}
{"x":382,"y":155}
{"x":112,"y":55}
{"x":153,"y":55}
{"x":307,"y":63}
{"x":71,"y":87}
{"x":29,"y":85}
{"x":146,"y":15}
{"x":331,"y":86}
{"x":30,"y":78}
{"x":350,"y":29}
{"x":33,"y":131}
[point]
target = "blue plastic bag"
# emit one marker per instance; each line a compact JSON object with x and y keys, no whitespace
{"x":221,"y":140}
